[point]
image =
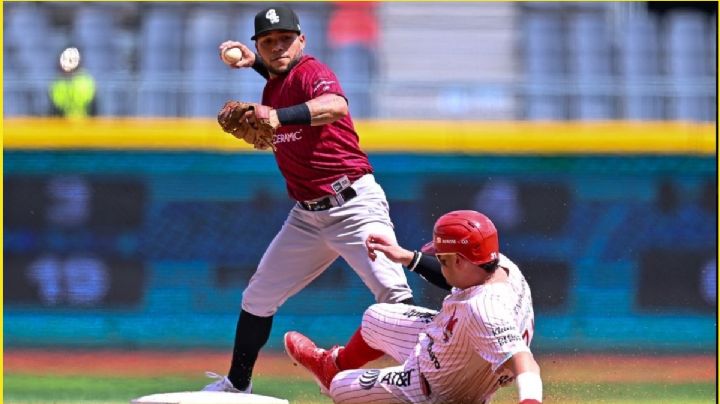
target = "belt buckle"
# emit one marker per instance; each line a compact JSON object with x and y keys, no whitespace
{"x":312,"y":206}
{"x":317,"y":205}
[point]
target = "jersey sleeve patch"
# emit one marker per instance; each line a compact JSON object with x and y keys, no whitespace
{"x":317,"y":79}
{"x":325,"y":85}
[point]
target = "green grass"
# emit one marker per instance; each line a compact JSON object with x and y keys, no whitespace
{"x":33,"y":389}
{"x":620,"y":393}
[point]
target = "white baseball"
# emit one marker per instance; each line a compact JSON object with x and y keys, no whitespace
{"x":70,"y":59}
{"x":233,"y":55}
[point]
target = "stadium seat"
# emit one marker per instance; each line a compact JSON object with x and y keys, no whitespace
{"x":688,"y":64}
{"x":542,"y":35}
{"x":161,"y":60}
{"x":206,"y":74}
{"x":639,"y":62}
{"x":27,"y":31}
{"x":354,"y":66}
{"x":589,"y":53}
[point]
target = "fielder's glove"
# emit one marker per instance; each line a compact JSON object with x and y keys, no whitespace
{"x":250,"y":122}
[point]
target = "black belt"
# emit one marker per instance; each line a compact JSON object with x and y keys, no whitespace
{"x":327,"y":202}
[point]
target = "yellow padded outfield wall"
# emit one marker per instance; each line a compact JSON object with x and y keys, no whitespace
{"x":470,"y":137}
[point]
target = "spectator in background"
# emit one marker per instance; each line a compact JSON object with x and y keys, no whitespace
{"x":72,"y":93}
{"x":352,"y":41}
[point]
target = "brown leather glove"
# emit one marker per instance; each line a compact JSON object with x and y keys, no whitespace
{"x":263,"y":127}
{"x":241,"y":119}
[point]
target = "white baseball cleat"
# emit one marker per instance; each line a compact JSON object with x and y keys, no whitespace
{"x":223,"y":384}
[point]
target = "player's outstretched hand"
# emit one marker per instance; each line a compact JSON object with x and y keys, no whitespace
{"x":381,"y":243}
{"x":248,"y":56}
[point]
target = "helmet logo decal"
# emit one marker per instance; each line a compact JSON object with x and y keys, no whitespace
{"x":272,"y":16}
{"x":446,"y":241}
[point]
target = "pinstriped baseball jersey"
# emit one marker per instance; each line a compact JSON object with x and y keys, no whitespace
{"x":475,"y":332}
{"x":447,"y":357}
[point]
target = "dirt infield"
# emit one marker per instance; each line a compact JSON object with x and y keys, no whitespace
{"x":560,"y":368}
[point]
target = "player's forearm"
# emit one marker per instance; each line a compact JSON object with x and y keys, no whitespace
{"x":260,"y":67}
{"x":326,"y":109}
{"x":429,"y":268}
{"x":527,"y":377}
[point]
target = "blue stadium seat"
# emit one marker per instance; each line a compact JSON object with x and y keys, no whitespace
{"x":640,"y":67}
{"x":354,"y":65}
{"x":687,"y":48}
{"x":27,"y":29}
{"x":545,"y":64}
{"x":206,"y":74}
{"x":161,"y":57}
{"x":590,"y":64}
{"x":95,"y":34}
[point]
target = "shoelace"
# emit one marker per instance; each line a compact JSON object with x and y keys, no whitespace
{"x":213,"y":375}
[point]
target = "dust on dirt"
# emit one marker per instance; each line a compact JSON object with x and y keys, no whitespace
{"x":192,"y":363}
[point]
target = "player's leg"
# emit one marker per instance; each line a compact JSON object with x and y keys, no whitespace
{"x":356,"y":353}
{"x":385,"y":328}
{"x":353,"y":222}
{"x":294,"y":258}
{"x":394,"y":385}
{"x":390,"y":328}
{"x":353,"y":386}
{"x":394,"y":328}
{"x":366,"y":214}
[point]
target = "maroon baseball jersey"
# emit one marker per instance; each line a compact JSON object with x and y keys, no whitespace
{"x":313,"y":157}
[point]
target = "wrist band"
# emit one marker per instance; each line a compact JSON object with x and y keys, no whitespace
{"x":415,"y":260}
{"x":529,"y":386}
{"x":296,"y":115}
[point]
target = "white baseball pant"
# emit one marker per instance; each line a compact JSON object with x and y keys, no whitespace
{"x":309,"y":241}
{"x":393,"y":329}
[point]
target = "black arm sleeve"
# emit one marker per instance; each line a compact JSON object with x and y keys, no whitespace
{"x":429,"y":269}
{"x":260,"y":68}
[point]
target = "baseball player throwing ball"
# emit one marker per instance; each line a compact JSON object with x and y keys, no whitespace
{"x":478,"y":341}
{"x":304,"y":120}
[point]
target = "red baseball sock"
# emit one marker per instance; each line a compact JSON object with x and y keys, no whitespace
{"x":356,"y":353}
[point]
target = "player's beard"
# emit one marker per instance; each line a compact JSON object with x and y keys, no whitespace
{"x":285,"y":70}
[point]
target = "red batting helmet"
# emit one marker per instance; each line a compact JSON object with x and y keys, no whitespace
{"x":465,"y":232}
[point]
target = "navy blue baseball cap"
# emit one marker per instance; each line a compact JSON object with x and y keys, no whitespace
{"x":274,"y":19}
